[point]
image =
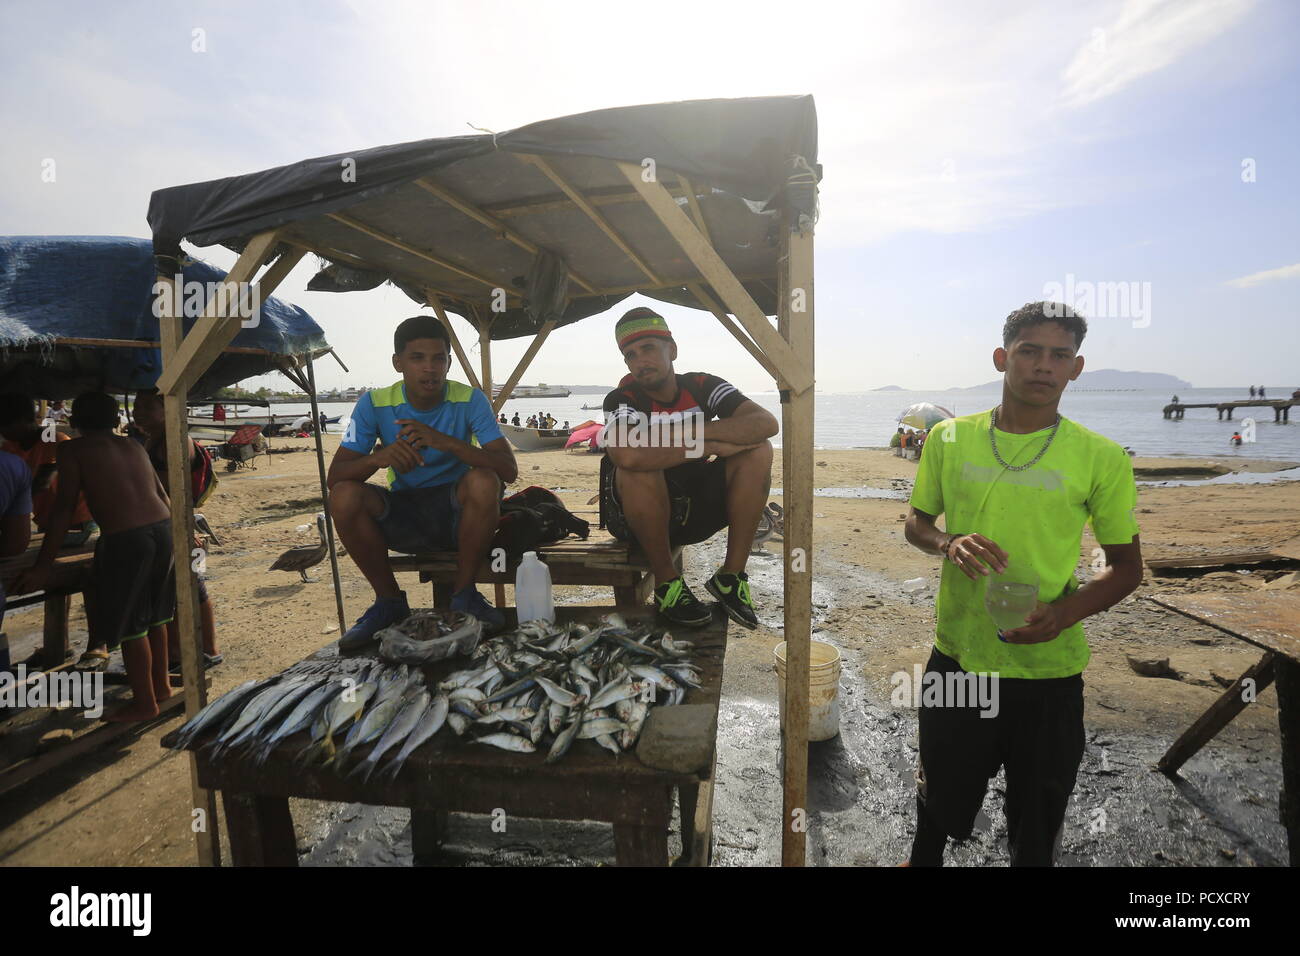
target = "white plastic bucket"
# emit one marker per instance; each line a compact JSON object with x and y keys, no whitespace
{"x":823,"y":689}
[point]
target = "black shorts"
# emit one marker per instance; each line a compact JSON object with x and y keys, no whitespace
{"x":416,"y":520}
{"x":697,"y":495}
{"x":1037,"y":735}
{"x":134,"y":582}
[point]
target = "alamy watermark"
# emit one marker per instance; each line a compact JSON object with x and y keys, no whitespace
{"x":628,"y":428}
{"x":83,"y":690}
{"x":235,"y":300}
{"x":1100,"y":300}
{"x":952,"y":689}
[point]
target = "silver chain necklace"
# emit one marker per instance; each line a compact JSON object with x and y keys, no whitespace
{"x":993,"y":423}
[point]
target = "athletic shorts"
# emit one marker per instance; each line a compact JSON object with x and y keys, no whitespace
{"x":1037,"y":735}
{"x":416,"y":520}
{"x":697,"y":495}
{"x":134,"y":582}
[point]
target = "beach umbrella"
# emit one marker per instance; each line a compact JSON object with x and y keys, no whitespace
{"x":923,"y":415}
{"x":587,"y":431}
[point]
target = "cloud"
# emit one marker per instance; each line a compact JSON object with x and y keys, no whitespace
{"x":1268,"y":275}
{"x":1147,"y":36}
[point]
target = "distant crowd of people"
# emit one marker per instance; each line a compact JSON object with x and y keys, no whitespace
{"x":540,"y":420}
{"x":908,"y":443}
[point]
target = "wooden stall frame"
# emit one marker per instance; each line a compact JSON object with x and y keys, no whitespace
{"x":785,"y":352}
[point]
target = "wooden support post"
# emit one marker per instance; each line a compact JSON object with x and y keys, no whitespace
{"x":461,"y":357}
{"x":325,"y":499}
{"x":522,"y":365}
{"x":795,"y":323}
{"x":1288,"y":724}
{"x":794,"y":367}
{"x":180,"y":494}
{"x":1230,"y":703}
{"x":485,"y":352}
{"x":261,"y":830}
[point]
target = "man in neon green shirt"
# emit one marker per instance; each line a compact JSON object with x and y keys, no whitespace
{"x":1015,"y":485}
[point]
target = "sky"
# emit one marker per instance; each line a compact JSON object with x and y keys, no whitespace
{"x":1138,"y":159}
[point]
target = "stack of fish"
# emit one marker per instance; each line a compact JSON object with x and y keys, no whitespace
{"x":567,"y":682}
{"x":562,"y":683}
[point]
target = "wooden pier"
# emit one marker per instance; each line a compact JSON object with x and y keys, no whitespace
{"x":1281,"y":407}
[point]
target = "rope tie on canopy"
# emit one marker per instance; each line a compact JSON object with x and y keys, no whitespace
{"x":492,"y":133}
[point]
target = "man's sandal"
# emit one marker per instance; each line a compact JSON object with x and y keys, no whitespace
{"x":91,"y":661}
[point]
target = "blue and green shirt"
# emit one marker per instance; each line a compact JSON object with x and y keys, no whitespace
{"x":464,"y":413}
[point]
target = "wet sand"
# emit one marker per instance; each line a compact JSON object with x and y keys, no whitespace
{"x":130,"y":804}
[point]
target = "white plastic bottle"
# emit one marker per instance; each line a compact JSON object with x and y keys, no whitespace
{"x":533,"y":599}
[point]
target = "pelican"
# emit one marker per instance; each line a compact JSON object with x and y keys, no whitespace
{"x":300,"y":559}
{"x":201,"y":523}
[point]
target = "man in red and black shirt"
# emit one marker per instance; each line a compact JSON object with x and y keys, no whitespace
{"x":690,"y":456}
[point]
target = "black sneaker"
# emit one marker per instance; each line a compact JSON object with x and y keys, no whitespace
{"x":385,"y":612}
{"x":732,"y":592}
{"x":677,"y":605}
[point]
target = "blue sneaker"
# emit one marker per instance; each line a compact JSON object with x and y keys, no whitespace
{"x":385,"y":612}
{"x":471,"y":602}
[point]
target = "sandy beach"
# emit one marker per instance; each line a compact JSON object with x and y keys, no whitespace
{"x":130,"y":805}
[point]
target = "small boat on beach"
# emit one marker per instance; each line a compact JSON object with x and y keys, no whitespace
{"x":535,"y":439}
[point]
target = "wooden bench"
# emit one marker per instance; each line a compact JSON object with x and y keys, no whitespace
{"x":600,"y":560}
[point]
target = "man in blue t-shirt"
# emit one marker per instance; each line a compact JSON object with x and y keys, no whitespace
{"x":445,"y":458}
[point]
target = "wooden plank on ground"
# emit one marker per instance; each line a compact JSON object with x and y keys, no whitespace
{"x":1268,"y":619}
{"x":1230,"y":703}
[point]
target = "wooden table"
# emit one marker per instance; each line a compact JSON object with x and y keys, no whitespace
{"x":447,"y":774}
{"x":69,"y":575}
{"x":1270,"y":620}
{"x":600,"y":560}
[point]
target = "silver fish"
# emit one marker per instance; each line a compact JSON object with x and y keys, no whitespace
{"x":459,"y":722}
{"x":558,"y":693}
{"x":609,"y":743}
{"x":430,"y":723}
{"x":653,"y":674}
{"x":617,"y":690}
{"x":599,"y":727}
{"x":468,"y":693}
{"x":508,"y":742}
{"x":507,"y":714}
{"x":538,"y":726}
{"x":402,"y":725}
{"x":564,"y":739}
{"x":215,"y":713}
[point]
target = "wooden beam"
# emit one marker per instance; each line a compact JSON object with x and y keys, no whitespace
{"x":325,"y":497}
{"x":696,"y":212}
{"x":730,"y":325}
{"x":522,"y":366}
{"x":796,"y":264}
{"x":792,"y":364}
{"x":591,"y":212}
{"x":596,"y":197}
{"x":484,"y":350}
{"x":493,"y":223}
{"x":419,"y":253}
{"x":206,"y":839}
{"x":461,"y":357}
{"x":210,"y":334}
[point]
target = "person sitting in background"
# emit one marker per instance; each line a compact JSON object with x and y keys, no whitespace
{"x":515,"y":421}
{"x":38,"y":447}
{"x":58,"y":413}
{"x":132,"y":574}
{"x":149,"y":406}
{"x":502,"y":419}
{"x":896,"y":442}
{"x":15,"y":516}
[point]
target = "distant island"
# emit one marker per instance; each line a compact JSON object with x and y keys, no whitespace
{"x":1113,"y":379}
{"x":889,"y":388}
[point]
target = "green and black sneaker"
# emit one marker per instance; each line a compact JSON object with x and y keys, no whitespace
{"x":676,"y":604}
{"x":732,"y":592}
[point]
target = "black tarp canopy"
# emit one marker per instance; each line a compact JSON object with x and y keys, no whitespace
{"x":430,"y":215}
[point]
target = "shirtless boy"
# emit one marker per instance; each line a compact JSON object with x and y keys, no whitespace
{"x":132,"y":573}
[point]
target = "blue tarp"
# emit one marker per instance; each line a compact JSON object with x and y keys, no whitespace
{"x":101,"y":287}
